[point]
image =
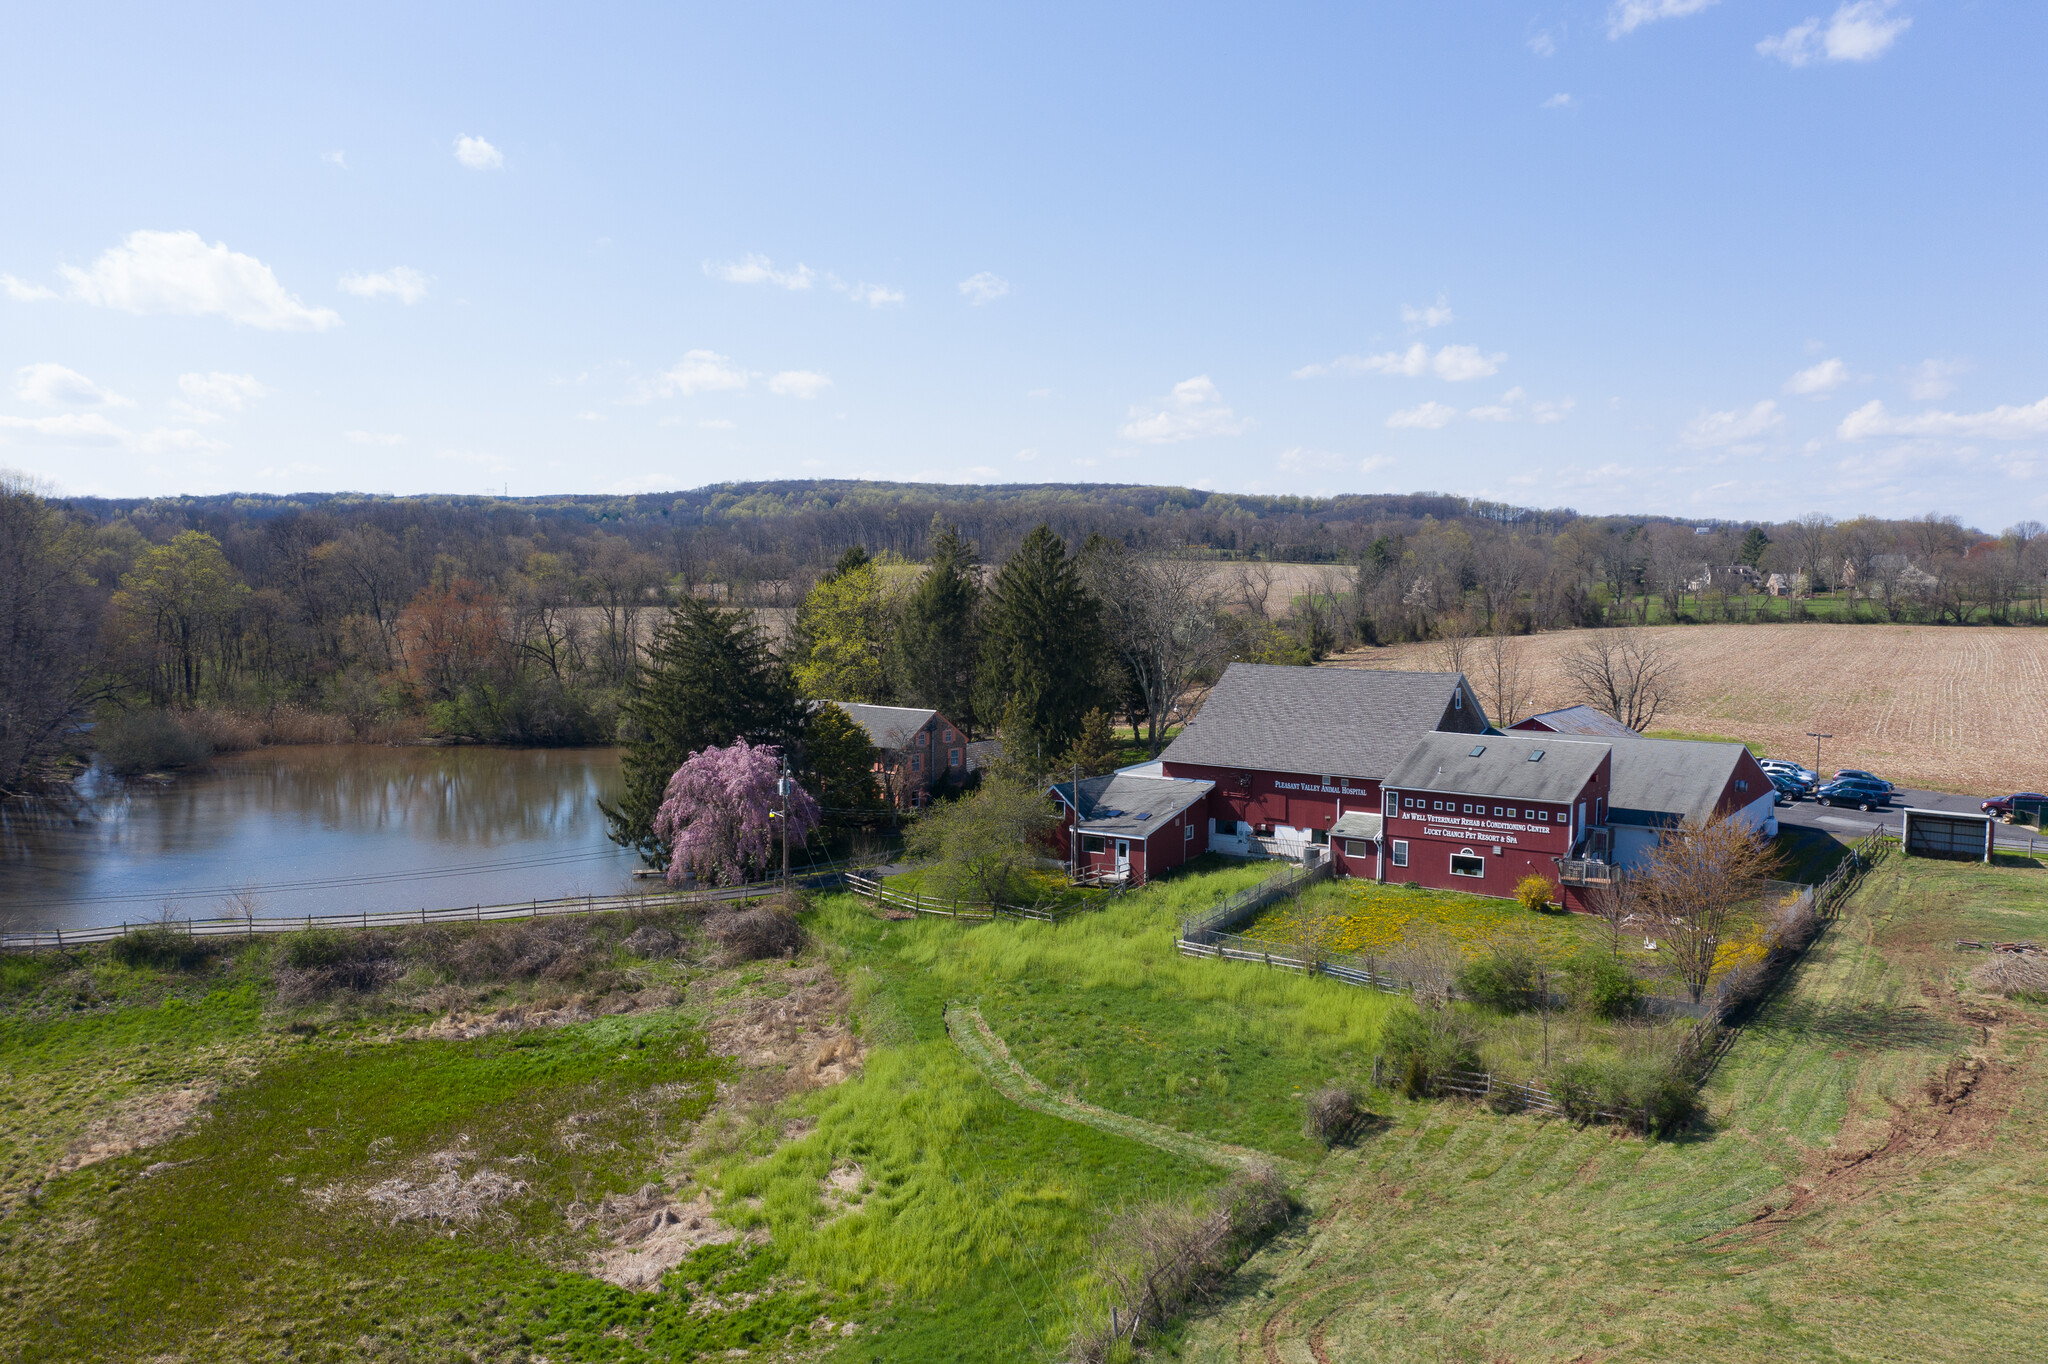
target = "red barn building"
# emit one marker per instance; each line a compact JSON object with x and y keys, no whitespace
{"x":1290,"y":750}
{"x":1479,"y":813}
{"x":1583,"y":721}
{"x":1131,"y":827}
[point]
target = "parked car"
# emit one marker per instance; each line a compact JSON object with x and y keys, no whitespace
{"x":2005,"y":806}
{"x":1789,"y":787}
{"x":1861,"y":794}
{"x":1855,"y":774}
{"x":1805,"y":774}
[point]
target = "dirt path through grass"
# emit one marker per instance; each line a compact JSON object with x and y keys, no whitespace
{"x":978,"y":1042}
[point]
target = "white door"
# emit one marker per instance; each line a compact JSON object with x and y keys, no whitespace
{"x":1123,"y":856}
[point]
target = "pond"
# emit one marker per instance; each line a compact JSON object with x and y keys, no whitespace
{"x":317,"y":830}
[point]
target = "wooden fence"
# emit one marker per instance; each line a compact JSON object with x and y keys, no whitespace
{"x":815,"y":877}
{"x":1242,"y":905}
{"x":869,"y":888}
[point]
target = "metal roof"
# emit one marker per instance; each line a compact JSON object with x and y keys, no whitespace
{"x":1579,"y":720}
{"x":1356,"y":824}
{"x":1339,"y":722}
{"x":1500,"y":765}
{"x":1131,"y":807}
{"x":887,"y":726}
{"x":1664,"y":781}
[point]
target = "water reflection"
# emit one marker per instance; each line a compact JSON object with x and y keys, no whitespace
{"x":317,"y":830}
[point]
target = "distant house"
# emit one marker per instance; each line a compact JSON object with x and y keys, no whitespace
{"x":917,"y":751}
{"x":1901,"y":569}
{"x":1584,"y":720}
{"x":1786,"y":585}
{"x":1723,"y":578}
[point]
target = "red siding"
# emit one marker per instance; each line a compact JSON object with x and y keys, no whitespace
{"x":1526,"y":845}
{"x":1301,"y":800}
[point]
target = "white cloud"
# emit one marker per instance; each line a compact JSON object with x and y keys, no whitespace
{"x":177,"y":272}
{"x":68,"y":428}
{"x":1452,"y":363}
{"x":874,"y":295}
{"x":2000,"y":423}
{"x":701,"y":371}
{"x":1626,"y":16}
{"x":1437,"y":314}
{"x":1817,"y":381}
{"x":478,"y":154}
{"x":715,"y":424}
{"x":1027,"y":455}
{"x":1372,"y":464}
{"x":1935,"y":378}
{"x":22,"y":291}
{"x":1040,"y":393}
{"x":375,"y":437}
{"x":984,"y":288}
{"x":56,"y":386}
{"x":592,"y":417}
{"x":1550,"y":413}
{"x":218,"y":392}
{"x":1725,"y":428}
{"x":402,"y":282}
{"x":1858,"y":31}
{"x":1514,"y":406}
{"x":1560,"y":100}
{"x":1543,"y":45}
{"x":1195,"y":410}
{"x":799,"y":383}
{"x":761,"y":270}
{"x":335,"y":158}
{"x":1427,"y":417}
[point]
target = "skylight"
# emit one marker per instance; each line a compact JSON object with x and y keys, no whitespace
{"x":1535,"y":755}
{"x":1477,"y":749}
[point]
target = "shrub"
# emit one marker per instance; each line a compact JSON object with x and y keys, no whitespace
{"x":758,"y":931}
{"x":1421,"y":1043}
{"x":162,"y":946}
{"x":524,"y":949}
{"x":2014,"y":975}
{"x":1532,"y":892}
{"x":146,"y":741}
{"x":651,"y":941}
{"x":1329,"y":1114}
{"x":320,"y":961}
{"x":1653,"y":1088}
{"x":1503,"y":979}
{"x":1601,"y":984}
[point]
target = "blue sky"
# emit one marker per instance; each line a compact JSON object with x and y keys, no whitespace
{"x":1700,"y":257}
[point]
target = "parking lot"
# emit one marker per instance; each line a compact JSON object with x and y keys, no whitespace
{"x":1846,"y":824}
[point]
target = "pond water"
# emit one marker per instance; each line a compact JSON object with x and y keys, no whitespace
{"x":318,"y":830}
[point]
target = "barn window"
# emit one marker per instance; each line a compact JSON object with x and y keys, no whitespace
{"x":1467,"y":863}
{"x":1354,"y":847}
{"x":1091,"y":843}
{"x":952,"y":757}
{"x":1188,"y":832}
{"x":1468,"y":809}
{"x":1498,"y":812}
{"x":1400,"y":850}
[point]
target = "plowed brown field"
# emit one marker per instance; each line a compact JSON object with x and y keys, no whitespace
{"x":1936,"y":707}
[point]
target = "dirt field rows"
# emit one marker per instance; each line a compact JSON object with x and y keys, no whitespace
{"x":1929,"y":706}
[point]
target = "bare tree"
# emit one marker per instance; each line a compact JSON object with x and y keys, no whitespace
{"x":1502,"y":683}
{"x":1807,"y":541}
{"x":49,"y":620}
{"x":1626,"y":673}
{"x":1452,"y":652}
{"x":1251,"y":586}
{"x":1615,"y":904}
{"x":1504,"y":565}
{"x":1693,"y":885}
{"x":1315,"y":931}
{"x":1160,"y":615}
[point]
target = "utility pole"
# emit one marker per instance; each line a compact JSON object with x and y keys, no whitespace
{"x":1074,"y":842}
{"x":782,"y":789}
{"x":1816,"y":750}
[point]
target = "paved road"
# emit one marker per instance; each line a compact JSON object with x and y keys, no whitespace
{"x":1847,"y":824}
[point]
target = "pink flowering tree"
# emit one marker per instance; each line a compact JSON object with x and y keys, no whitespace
{"x":718,"y":815}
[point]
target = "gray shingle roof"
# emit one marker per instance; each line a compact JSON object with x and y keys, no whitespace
{"x":1337,"y":722}
{"x":1356,"y":824}
{"x":1131,"y":807}
{"x":1580,"y":720}
{"x":1660,"y":781}
{"x":887,"y":726}
{"x":1445,"y":762}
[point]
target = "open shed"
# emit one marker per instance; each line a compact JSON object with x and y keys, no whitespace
{"x":1947,"y":833}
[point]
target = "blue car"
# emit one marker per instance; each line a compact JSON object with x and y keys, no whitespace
{"x":1860,"y":794}
{"x":1789,"y":787}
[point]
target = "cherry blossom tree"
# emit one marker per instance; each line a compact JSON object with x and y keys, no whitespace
{"x":718,"y":814}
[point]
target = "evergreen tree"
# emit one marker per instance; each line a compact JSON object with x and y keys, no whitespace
{"x":709,"y":679}
{"x":1753,"y":546}
{"x":934,"y":656}
{"x":1094,"y":752}
{"x":1042,"y":650}
{"x":839,"y":762}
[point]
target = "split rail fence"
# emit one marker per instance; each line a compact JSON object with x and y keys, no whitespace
{"x":871,"y":888}
{"x":815,"y":877}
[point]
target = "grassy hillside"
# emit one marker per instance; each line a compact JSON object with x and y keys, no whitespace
{"x":1870,"y":1185}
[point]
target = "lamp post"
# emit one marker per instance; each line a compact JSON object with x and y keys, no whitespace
{"x":1816,"y":750}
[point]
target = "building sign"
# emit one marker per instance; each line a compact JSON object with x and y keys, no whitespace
{"x":1318,"y":788}
{"x":1480,"y":830}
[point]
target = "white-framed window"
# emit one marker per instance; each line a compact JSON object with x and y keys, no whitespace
{"x":1354,"y":847}
{"x":1188,"y":833}
{"x":952,"y":757}
{"x":1467,"y":863}
{"x":1399,"y":847}
{"x":1091,"y":843}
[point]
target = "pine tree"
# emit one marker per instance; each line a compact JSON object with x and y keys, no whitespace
{"x":934,"y":656}
{"x":1094,"y":752}
{"x":1753,"y":546}
{"x":709,"y":679}
{"x":1042,"y":650}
